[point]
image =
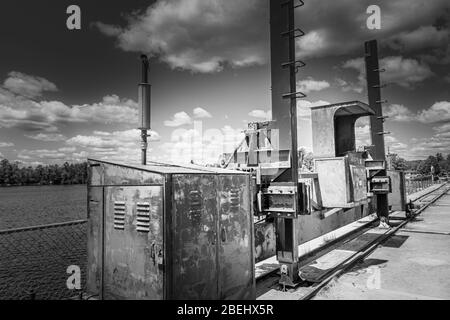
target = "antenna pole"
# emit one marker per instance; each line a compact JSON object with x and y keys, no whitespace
{"x":144,"y":105}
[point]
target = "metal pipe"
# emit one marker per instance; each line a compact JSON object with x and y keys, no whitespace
{"x":145,"y":99}
{"x":145,"y":68}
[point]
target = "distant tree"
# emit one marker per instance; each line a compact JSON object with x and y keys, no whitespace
{"x":425,"y":166}
{"x":397,"y":163}
{"x":15,"y":174}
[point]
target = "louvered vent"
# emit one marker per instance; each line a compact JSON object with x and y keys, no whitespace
{"x":143,"y":217}
{"x":119,"y":215}
{"x":235,"y":198}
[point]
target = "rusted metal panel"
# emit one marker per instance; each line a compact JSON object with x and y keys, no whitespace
{"x":334,"y":181}
{"x":117,"y":175}
{"x":108,"y":174}
{"x":95,"y":174}
{"x":359,"y":182}
{"x":313,"y":226}
{"x":236,"y":272}
{"x":133,"y":243}
{"x":95,"y":240}
{"x":397,"y":199}
{"x":195,"y":230}
{"x":341,"y":185}
{"x":265,"y":241}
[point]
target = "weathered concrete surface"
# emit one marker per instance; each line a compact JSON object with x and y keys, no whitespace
{"x":413,"y":264}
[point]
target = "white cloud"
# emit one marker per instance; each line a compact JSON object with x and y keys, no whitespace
{"x":27,"y":85}
{"x":198,"y":35}
{"x":206,"y":35}
{"x":420,"y":38}
{"x":6,"y":144}
{"x":398,"y":112}
{"x":122,"y":146}
{"x":310,"y":84}
{"x":47,"y":137}
{"x":348,"y":86}
{"x":43,"y":154}
{"x":200,"y":146}
{"x":200,"y":113}
{"x":439,"y":112}
{"x":29,"y":115}
{"x":261,"y":114}
{"x":178,"y":119}
{"x":443,"y":128}
{"x":402,"y":71}
{"x":337,"y":19}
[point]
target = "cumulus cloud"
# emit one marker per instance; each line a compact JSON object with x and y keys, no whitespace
{"x":6,"y":144}
{"x":200,"y":113}
{"x":47,"y":137}
{"x":438,"y":112}
{"x":420,"y":38}
{"x":121,"y":146}
{"x":17,"y":111}
{"x":310,"y":84}
{"x":27,"y":85}
{"x":398,"y":112}
{"x":178,"y":119}
{"x":206,"y":35}
{"x":348,"y":86}
{"x":328,"y":23}
{"x":261,"y":114}
{"x":197,"y":35}
{"x":399,"y":70}
{"x":200,"y":146}
{"x":43,"y":154}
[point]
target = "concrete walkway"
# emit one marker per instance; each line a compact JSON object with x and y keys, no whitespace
{"x":413,"y":264}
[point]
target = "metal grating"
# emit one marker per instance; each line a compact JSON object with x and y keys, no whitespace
{"x":143,"y":217}
{"x":119,"y":215}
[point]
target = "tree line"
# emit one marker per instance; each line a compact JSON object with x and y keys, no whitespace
{"x":14,"y":174}
{"x":440,"y":163}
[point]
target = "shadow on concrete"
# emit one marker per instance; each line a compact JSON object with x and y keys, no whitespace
{"x":395,"y":241}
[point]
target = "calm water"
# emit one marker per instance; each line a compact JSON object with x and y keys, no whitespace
{"x":36,"y":205}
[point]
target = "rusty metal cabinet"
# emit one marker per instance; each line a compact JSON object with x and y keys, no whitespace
{"x":169,"y":232}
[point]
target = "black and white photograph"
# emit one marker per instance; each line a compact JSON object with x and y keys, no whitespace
{"x":245,"y":152}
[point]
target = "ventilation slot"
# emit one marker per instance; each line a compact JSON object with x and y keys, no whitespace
{"x":119,"y":215}
{"x":235,"y":198}
{"x":143,"y":217}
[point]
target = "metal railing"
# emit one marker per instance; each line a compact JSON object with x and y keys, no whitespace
{"x":417,"y":184}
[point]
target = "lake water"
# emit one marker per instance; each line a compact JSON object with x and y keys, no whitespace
{"x":38,"y":205}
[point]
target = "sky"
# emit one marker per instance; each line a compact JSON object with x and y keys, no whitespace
{"x":66,"y":95}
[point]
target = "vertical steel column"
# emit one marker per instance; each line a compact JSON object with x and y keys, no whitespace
{"x":376,"y":121}
{"x":284,"y":112}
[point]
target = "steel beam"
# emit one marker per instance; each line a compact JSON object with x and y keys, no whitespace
{"x":376,"y":121}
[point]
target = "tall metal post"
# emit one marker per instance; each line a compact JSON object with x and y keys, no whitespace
{"x":284,"y":67}
{"x":376,"y":121}
{"x":144,"y":107}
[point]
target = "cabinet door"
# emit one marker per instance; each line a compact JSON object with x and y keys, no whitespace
{"x":236,"y":272}
{"x":194,"y":237}
{"x":133,"y":243}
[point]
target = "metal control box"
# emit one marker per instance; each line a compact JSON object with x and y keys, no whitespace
{"x":169,"y":232}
